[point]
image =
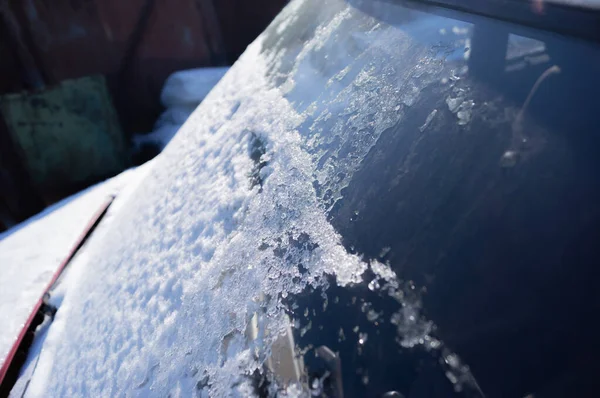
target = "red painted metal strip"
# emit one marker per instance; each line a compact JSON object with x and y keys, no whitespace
{"x":92,"y":224}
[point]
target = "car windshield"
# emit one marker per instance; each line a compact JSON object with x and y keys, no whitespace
{"x":379,"y":199}
{"x":458,"y":156}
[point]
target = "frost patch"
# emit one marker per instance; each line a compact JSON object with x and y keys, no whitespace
{"x":413,"y":329}
{"x":459,"y":104}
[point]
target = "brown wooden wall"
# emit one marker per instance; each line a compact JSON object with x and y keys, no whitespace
{"x":136,"y":44}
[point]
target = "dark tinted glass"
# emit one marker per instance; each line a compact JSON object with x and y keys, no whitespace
{"x":477,"y":183}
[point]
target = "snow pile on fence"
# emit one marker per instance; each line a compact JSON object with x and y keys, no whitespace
{"x":182,"y":93}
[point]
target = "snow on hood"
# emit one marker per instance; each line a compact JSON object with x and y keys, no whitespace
{"x":31,"y":252}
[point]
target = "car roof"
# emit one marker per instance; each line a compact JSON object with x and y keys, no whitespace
{"x":577,"y":18}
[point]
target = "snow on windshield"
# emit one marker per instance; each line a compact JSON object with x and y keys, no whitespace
{"x":226,"y":225}
{"x":183,"y":266}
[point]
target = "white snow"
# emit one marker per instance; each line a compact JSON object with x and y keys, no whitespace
{"x":31,"y":252}
{"x":149,"y":315}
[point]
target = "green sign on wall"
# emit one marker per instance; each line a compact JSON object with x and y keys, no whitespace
{"x":69,"y":134}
